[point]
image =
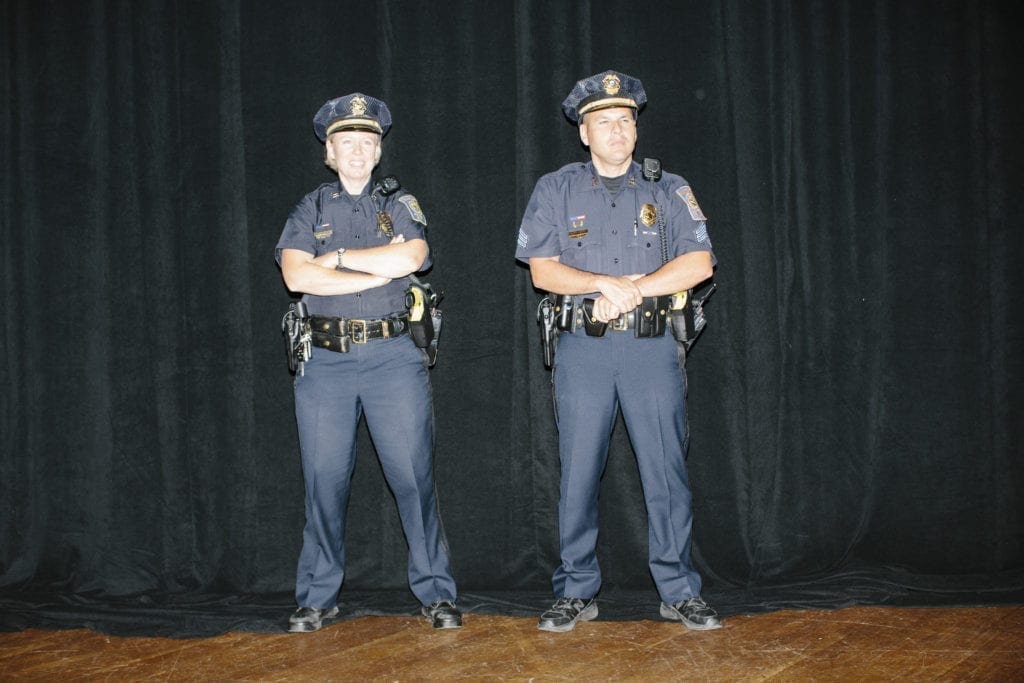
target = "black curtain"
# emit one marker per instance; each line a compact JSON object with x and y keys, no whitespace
{"x":855,"y":402}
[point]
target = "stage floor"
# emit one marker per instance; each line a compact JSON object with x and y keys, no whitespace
{"x":851,"y":644}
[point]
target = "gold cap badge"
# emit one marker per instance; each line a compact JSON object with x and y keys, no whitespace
{"x":611,"y":84}
{"x":357,"y":106}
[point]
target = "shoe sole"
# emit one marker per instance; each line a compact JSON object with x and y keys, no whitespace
{"x":446,"y":625}
{"x":443,"y":625}
{"x":672,"y":615}
{"x":588,"y":614}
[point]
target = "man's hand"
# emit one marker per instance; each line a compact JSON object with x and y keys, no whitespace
{"x":618,"y":295}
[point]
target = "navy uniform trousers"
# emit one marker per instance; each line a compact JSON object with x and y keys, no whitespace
{"x":593,"y":377}
{"x":386,"y":381}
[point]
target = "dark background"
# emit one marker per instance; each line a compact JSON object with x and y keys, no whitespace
{"x":855,"y":402}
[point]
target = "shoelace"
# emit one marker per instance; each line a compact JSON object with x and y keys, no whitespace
{"x":698,"y":605}
{"x":565,"y":605}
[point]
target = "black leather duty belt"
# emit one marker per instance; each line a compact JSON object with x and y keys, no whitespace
{"x":335,"y":334}
{"x":646,"y":320}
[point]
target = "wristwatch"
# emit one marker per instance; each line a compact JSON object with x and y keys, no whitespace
{"x":341,"y":254}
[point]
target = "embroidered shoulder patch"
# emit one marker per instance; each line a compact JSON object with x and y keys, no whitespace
{"x":701,"y":233}
{"x":414,"y":208}
{"x":686,"y":194}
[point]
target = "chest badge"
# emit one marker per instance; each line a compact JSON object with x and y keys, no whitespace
{"x":648,"y":214}
{"x":385,"y":224}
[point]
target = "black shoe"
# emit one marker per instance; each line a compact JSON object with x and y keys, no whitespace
{"x":564,"y":614}
{"x":443,"y":614}
{"x":694,"y":613}
{"x":308,"y":619}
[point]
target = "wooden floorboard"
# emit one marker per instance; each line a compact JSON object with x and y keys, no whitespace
{"x":854,"y":644}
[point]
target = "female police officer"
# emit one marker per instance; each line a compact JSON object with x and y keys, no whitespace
{"x":349,"y":256}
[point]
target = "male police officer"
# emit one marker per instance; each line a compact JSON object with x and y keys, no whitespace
{"x":593,"y":231}
{"x":348,"y":248}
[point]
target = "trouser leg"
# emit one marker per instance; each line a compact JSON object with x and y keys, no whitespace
{"x":399,"y":413}
{"x":327,"y":412}
{"x":586,"y":408}
{"x":652,"y":393}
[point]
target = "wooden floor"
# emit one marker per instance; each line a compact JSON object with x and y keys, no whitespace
{"x":855,"y":644}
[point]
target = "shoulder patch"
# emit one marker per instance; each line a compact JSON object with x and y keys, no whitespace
{"x":414,"y":208}
{"x":686,"y":194}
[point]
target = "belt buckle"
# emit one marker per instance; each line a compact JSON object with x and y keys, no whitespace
{"x":621,"y":324}
{"x":357,"y":330}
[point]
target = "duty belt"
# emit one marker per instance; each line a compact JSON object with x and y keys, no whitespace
{"x":646,"y":320}
{"x":335,"y":334}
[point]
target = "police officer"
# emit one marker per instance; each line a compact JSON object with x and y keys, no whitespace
{"x":592,"y":230}
{"x":348,"y":248}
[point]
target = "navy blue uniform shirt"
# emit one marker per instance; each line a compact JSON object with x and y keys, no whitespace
{"x":328,"y":218}
{"x":573,"y":216}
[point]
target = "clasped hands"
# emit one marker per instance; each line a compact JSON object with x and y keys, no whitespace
{"x":618,"y":295}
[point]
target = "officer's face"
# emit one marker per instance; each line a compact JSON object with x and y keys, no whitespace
{"x":611,"y":136}
{"x":353,"y":154}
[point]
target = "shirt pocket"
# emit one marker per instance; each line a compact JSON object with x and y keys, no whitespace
{"x":585,"y":253}
{"x":643,"y":254}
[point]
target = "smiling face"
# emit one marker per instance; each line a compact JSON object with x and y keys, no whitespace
{"x":353,"y":154}
{"x":611,"y":136}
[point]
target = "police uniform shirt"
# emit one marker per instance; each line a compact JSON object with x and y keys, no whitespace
{"x":571,"y":215}
{"x":350,"y":222}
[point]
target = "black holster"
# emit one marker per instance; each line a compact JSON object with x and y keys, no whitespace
{"x":548,"y":334}
{"x":591,"y":326}
{"x":651,"y":316}
{"x":297,"y":337}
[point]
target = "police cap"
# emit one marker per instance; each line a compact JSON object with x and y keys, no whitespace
{"x":603,"y":90}
{"x":352,"y":112}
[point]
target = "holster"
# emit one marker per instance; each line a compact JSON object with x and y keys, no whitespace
{"x":651,"y":316}
{"x":421,"y":322}
{"x":424,"y":318}
{"x":548,"y":336}
{"x":295,"y":327}
{"x":593,"y":328}
{"x":565,"y":318}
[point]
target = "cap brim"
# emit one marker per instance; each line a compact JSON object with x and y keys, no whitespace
{"x":354,"y":124}
{"x":607,"y":103}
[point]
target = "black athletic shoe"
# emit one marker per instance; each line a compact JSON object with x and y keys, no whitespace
{"x":694,"y":613}
{"x":307,"y":619}
{"x":443,"y":614}
{"x":564,"y":614}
